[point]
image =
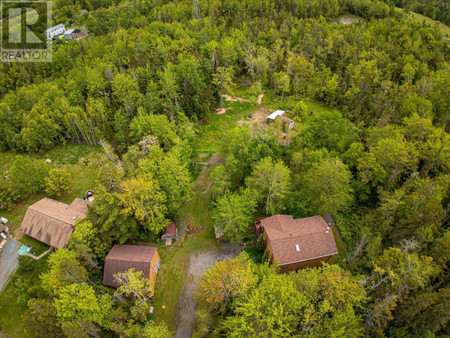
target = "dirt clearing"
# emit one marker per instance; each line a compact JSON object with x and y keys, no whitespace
{"x":222,"y":111}
{"x":259,"y":116}
{"x":234,"y":99}
{"x":260,"y":97}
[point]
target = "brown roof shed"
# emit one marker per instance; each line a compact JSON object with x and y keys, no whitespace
{"x":52,"y":222}
{"x":124,"y":257}
{"x":297,"y":240}
{"x":170,"y":231}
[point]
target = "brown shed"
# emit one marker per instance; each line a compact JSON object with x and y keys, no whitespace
{"x":52,"y":222}
{"x":124,"y":257}
{"x":298,"y":243}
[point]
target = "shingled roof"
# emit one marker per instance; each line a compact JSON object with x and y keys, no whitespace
{"x":170,"y":231}
{"x":124,"y":257}
{"x":297,"y":240}
{"x":52,"y":222}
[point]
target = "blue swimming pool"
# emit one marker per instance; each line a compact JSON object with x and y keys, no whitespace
{"x":24,"y":250}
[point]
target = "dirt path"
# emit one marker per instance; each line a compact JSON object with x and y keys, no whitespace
{"x":198,"y":264}
{"x":234,"y":99}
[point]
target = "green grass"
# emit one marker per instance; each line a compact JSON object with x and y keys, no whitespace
{"x":174,"y":265}
{"x":11,"y":311}
{"x":37,"y":247}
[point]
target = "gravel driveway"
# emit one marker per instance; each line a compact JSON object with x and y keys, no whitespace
{"x":198,"y":264}
{"x":8,"y":263}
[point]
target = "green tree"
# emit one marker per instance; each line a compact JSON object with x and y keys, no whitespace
{"x":143,"y":198}
{"x":271,"y":181}
{"x":327,"y":187}
{"x":78,"y":303}
{"x":40,"y":319}
{"x":107,"y":215}
{"x":134,"y":290}
{"x":219,"y":180}
{"x":64,"y":269}
{"x":226,"y":282}
{"x":273,"y":309}
{"x":233,"y":214}
{"x":396,"y":274}
{"x":149,"y":330}
{"x":175,"y":180}
{"x":27,"y":174}
{"x":223,"y":80}
{"x":57,"y":182}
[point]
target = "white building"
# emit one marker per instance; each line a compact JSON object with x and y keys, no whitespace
{"x":276,"y":113}
{"x":55,"y":31}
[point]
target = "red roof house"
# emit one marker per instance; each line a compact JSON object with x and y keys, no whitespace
{"x":297,"y":243}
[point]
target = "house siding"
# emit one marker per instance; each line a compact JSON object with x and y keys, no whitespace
{"x":153,"y":272}
{"x":305,"y":264}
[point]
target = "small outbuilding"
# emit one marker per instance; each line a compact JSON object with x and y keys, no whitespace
{"x":121,"y":258}
{"x":170,"y":233}
{"x":52,"y":222}
{"x":279,"y":114}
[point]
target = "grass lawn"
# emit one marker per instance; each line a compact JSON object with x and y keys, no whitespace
{"x":11,"y":310}
{"x":174,"y":265}
{"x":37,"y":247}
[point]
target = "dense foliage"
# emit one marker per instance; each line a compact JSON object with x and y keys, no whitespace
{"x":378,"y":159}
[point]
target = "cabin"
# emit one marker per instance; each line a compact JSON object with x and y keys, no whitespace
{"x":54,"y":31}
{"x":52,"y":222}
{"x":169,"y":233}
{"x":296,"y":243}
{"x":121,"y":258}
{"x":279,"y":114}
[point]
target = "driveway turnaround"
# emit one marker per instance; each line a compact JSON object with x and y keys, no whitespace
{"x":8,"y":263}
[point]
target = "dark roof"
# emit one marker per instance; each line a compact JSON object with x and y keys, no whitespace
{"x":52,"y":222}
{"x":285,"y":119}
{"x":2,"y":227}
{"x":124,"y":257}
{"x":296,"y":240}
{"x":170,"y":231}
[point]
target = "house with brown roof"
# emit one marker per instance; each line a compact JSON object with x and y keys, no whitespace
{"x":124,"y":257}
{"x":297,"y":243}
{"x":52,"y":222}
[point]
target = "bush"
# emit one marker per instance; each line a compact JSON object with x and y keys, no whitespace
{"x":57,"y":182}
{"x":26,"y":265}
{"x":260,"y":243}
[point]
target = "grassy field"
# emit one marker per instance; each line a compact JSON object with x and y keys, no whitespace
{"x":11,"y":310}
